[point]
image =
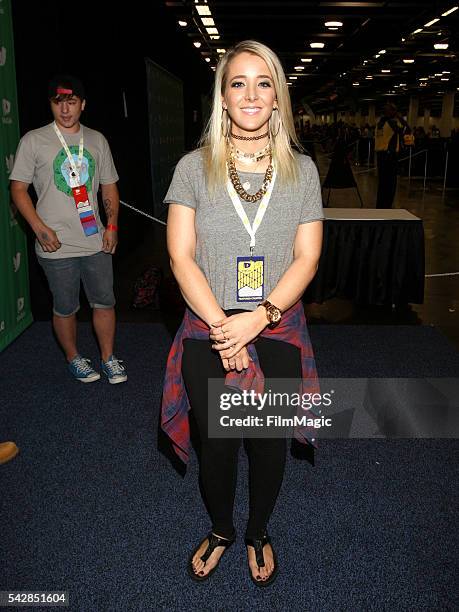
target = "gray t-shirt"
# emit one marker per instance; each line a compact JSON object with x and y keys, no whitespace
{"x":220,"y":235}
{"x":41,"y":160}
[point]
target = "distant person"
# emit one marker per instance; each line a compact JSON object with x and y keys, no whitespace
{"x":434,"y":132}
{"x":388,"y":139}
{"x":66,"y":162}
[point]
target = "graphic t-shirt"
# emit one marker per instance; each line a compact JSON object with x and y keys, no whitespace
{"x":41,"y":160}
{"x":221,"y":237}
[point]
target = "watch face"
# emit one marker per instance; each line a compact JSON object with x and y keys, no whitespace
{"x":274,"y":314}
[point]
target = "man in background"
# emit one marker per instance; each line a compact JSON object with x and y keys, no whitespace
{"x":66,"y":162}
{"x":388,"y":137}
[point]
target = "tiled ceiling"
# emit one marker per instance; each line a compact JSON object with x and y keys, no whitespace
{"x":337,"y":72}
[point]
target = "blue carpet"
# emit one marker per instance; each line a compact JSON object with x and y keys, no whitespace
{"x":90,"y":506}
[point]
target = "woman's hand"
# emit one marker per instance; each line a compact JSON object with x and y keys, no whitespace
{"x":239,"y":362}
{"x":231,"y":334}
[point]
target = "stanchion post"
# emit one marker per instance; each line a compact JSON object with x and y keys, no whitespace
{"x":409,"y":170}
{"x":369,"y":152}
{"x":446,"y":172}
{"x":425,"y":171}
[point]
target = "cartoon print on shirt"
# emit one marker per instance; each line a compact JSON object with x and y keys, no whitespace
{"x":62,"y":169}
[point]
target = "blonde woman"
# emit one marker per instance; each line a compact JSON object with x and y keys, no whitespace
{"x":244,"y":198}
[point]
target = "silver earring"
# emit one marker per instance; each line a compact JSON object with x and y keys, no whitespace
{"x":274,"y":125}
{"x":225,"y":123}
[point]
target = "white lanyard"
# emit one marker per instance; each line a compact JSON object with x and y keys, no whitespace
{"x":75,"y":169}
{"x":251,"y":229}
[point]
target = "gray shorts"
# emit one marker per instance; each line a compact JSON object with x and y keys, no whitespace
{"x":64,"y":276}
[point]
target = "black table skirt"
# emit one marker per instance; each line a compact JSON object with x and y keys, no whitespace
{"x":370,"y":262}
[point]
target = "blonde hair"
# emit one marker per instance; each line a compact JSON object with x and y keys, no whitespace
{"x":213,"y":141}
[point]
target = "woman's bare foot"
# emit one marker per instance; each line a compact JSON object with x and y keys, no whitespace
{"x":261,"y":573}
{"x":202,"y":568}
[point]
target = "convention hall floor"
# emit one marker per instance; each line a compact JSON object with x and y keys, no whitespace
{"x":441,"y":226}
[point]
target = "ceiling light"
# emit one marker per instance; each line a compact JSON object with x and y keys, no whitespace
{"x":441,"y":45}
{"x":207,"y":21}
{"x":197,"y":44}
{"x":423,"y":79}
{"x":299,"y":67}
{"x":403,"y":39}
{"x":203,"y":9}
{"x":333,"y":24}
{"x":446,"y":72}
{"x":382,"y":51}
{"x":182,"y":23}
{"x":451,"y":10}
{"x":402,"y":85}
{"x":407,"y":60}
{"x":293,"y":78}
{"x":417,"y":31}
{"x":437,"y":74}
{"x":427,"y":25}
{"x":207,"y":59}
{"x":445,"y":79}
{"x":332,"y":29}
{"x":365,"y":61}
{"x":377,"y":55}
{"x":306,"y":60}
{"x":215,"y":37}
{"x":369,"y":77}
{"x":211,"y":30}
{"x":355,"y":84}
{"x":317,"y":45}
{"x":385,"y":70}
{"x":221,"y":50}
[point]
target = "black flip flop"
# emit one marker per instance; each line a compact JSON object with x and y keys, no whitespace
{"x":258,"y":545}
{"x":214,"y":541}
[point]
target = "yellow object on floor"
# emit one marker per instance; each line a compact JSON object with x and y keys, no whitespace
{"x":8,"y":450}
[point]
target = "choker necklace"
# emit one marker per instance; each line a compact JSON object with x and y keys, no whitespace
{"x":234,"y":178}
{"x":250,"y":158}
{"x":237,"y":137}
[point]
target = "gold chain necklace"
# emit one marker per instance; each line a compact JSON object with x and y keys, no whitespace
{"x":234,"y":178}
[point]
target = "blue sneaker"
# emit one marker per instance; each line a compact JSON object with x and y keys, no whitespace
{"x":114,"y":371}
{"x":80,"y":368}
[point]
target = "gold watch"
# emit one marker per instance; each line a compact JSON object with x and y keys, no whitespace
{"x":273,"y":313}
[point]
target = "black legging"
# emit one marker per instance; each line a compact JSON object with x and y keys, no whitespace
{"x":219,"y":457}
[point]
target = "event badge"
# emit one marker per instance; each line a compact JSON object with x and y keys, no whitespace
{"x":251,"y":270}
{"x":80,"y":193}
{"x":84,"y":209}
{"x":250,"y":279}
